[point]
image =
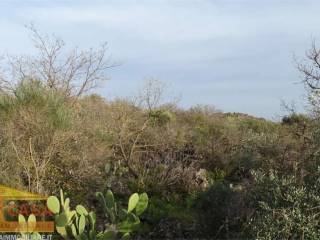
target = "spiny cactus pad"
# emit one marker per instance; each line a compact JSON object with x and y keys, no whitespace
{"x":53,"y":204}
{"x":109,"y":199}
{"x":81,"y":210}
{"x":133,"y":201}
{"x":142,"y":204}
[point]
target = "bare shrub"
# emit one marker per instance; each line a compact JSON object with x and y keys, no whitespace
{"x":72,"y":73}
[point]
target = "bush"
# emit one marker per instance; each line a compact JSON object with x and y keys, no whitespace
{"x":218,"y":211}
{"x":284,"y":206}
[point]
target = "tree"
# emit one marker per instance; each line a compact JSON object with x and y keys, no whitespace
{"x":310,"y":70}
{"x":72,"y":73}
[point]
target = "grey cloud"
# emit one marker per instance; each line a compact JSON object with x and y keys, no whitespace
{"x":236,"y":54}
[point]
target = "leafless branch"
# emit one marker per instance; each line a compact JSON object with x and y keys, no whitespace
{"x":73,"y":73}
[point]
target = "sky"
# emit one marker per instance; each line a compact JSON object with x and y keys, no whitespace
{"x":236,"y":55}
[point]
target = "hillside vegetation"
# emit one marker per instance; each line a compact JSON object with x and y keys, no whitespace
{"x":208,"y":174}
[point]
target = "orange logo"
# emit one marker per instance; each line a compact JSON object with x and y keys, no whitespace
{"x":14,"y":202}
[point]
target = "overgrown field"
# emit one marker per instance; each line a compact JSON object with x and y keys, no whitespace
{"x":208,"y":174}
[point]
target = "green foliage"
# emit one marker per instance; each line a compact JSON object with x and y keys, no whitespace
{"x":295,"y":119}
{"x":81,"y":224}
{"x":213,"y":210}
{"x":286,"y":207}
{"x":142,"y":204}
{"x":160,"y":116}
{"x":33,"y":95}
{"x":215,"y":175}
{"x":159,"y":209}
{"x":53,"y":204}
{"x":258,"y":125}
{"x":197,"y":164}
{"x":123,"y":221}
{"x":133,"y":201}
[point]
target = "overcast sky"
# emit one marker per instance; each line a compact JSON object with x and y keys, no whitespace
{"x":234,"y":54}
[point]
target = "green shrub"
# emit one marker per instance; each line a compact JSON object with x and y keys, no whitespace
{"x":213,"y":208}
{"x":161,"y":117}
{"x":81,"y":224}
{"x":31,"y":94}
{"x":285,"y":207}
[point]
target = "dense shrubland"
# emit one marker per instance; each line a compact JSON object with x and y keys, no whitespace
{"x":207,"y":173}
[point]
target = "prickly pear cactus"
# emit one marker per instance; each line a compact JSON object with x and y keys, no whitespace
{"x":27,"y":228}
{"x":124,"y":221}
{"x":80,"y":224}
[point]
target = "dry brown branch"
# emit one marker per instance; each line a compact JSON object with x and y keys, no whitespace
{"x":310,"y":68}
{"x":73,"y":73}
